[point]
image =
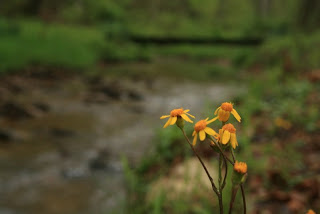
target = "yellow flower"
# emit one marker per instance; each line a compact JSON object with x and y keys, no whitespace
{"x":228,"y":134}
{"x":224,"y":112}
{"x":201,"y":129}
{"x":174,"y":114}
{"x":311,"y":212}
{"x":240,"y":167}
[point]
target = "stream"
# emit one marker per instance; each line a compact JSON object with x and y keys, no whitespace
{"x":62,"y":138}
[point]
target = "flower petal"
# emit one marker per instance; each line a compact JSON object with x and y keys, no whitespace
{"x":236,"y":115}
{"x":194,"y":142}
{"x":216,"y":111}
{"x":193,"y":133}
{"x":167,"y":123}
{"x":212,"y":120}
{"x":186,"y":118}
{"x":220,"y":134}
{"x":223,"y":115}
{"x":173,"y":120}
{"x":187,"y":110}
{"x":202,"y":135}
{"x":233,"y":140}
{"x":164,"y":116}
{"x":225,"y":137}
{"x":210,"y":131}
{"x":190,"y":115}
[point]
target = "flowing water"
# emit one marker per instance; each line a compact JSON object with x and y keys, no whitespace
{"x":65,"y":156}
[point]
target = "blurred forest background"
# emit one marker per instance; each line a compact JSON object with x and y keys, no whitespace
{"x":83,"y":84}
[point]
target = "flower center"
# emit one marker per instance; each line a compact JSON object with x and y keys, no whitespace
{"x":176,"y":112}
{"x":227,"y":106}
{"x":202,"y":124}
{"x":240,"y":167}
{"x":229,"y":127}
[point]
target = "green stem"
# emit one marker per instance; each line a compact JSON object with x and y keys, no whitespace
{"x":225,"y":158}
{"x":243,"y":200}
{"x":220,"y":169}
{"x":220,"y":203}
{"x":233,"y":196}
{"x":242,"y":189}
{"x":218,"y":145}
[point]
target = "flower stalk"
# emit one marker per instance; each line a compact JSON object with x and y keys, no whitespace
{"x":221,"y":143}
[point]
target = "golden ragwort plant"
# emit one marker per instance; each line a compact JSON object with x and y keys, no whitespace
{"x":222,"y":142}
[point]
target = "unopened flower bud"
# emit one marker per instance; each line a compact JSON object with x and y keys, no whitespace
{"x":239,"y":174}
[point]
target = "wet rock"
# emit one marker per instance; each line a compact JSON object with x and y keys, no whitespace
{"x":14,"y":111}
{"x":100,"y":162}
{"x":95,"y":80}
{"x":109,"y":90}
{"x":41,"y":106}
{"x":113,"y":92}
{"x":14,"y":88}
{"x":102,"y":92}
{"x":57,"y":132}
{"x":135,"y":96}
{"x":5,"y":136}
{"x":75,"y":172}
{"x":97,"y":98}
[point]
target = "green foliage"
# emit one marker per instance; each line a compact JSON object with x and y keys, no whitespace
{"x":24,"y":43}
{"x":30,"y":42}
{"x":124,"y":51}
{"x":298,"y":51}
{"x":169,"y":144}
{"x":93,"y":11}
{"x":270,"y":96}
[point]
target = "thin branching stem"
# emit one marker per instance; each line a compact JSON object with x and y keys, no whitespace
{"x":243,"y":200}
{"x":225,"y":174}
{"x":203,"y":165}
{"x":233,"y":156}
{"x":220,"y":171}
{"x":225,"y":158}
{"x":224,"y":155}
{"x":233,"y":196}
{"x":242,"y":189}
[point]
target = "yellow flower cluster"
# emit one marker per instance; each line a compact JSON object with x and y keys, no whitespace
{"x":225,"y":140}
{"x":227,"y":134}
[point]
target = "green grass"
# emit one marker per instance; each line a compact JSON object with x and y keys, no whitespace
{"x":32,"y":42}
{"x":24,"y":43}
